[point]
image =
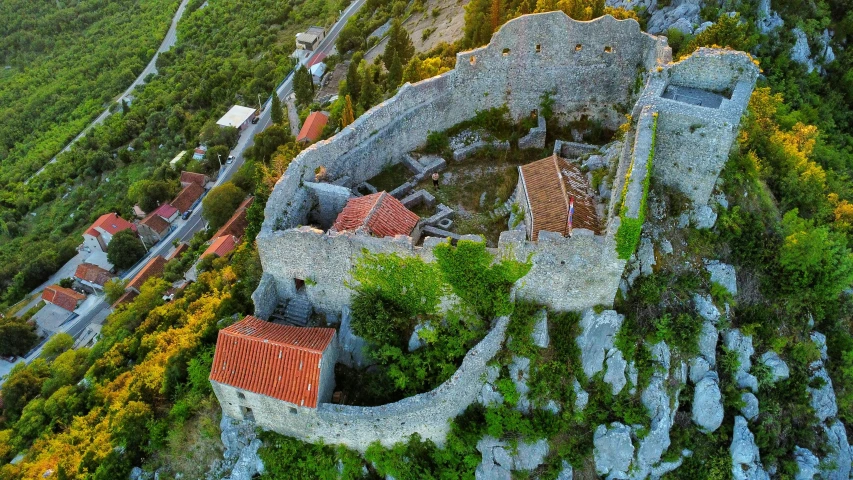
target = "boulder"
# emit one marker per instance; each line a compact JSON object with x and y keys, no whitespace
{"x":661,"y":410}
{"x":705,"y":307}
{"x":778,"y":368}
{"x":596,"y":338}
{"x":581,"y":397}
{"x":646,"y":256}
{"x":489,"y":469}
{"x":567,"y":473}
{"x":698,"y":368}
{"x":800,"y":52}
{"x":666,"y":247}
{"x":519,"y":373}
{"x":539,"y":336}
{"x":415,"y":341}
{"x":723,"y":274}
{"x":615,"y":374}
{"x":700,"y":29}
{"x":528,"y":456}
{"x":768,"y":20}
{"x":613,"y":450}
{"x":708,"y":403}
{"x":742,"y":345}
{"x":823,"y":398}
{"x":750,"y":405}
{"x":708,"y":337}
{"x":682,"y":25}
{"x":492,"y":471}
{"x":808,"y":464}
{"x":489,"y":396}
{"x":249,"y":464}
{"x":633,"y":375}
{"x":746,"y":461}
{"x":552,"y":407}
{"x":838,"y":461}
{"x":704,"y":217}
{"x":819,"y":340}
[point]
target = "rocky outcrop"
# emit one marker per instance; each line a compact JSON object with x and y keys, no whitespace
{"x":241,"y":451}
{"x":596,"y":338}
{"x":615,"y":374}
{"x":807,"y":463}
{"x":837,"y":464}
{"x":661,"y":409}
{"x":746,"y":461}
{"x":613,"y":450}
{"x":768,"y":20}
{"x":704,"y":217}
{"x":581,"y":396}
{"x":724,"y":274}
{"x":539,"y":336}
{"x":742,"y":346}
{"x":708,"y":403}
{"x":800,"y":52}
{"x":488,"y":393}
{"x":519,"y":373}
{"x":646,"y":256}
{"x":707,"y":358}
{"x":778,"y":368}
{"x":706,"y":308}
{"x":499,"y":461}
{"x":750,"y":405}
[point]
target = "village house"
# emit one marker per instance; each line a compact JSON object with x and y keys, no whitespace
{"x":92,"y":276}
{"x":310,"y":39}
{"x":548,"y":189}
{"x":167,"y":212}
{"x":187,"y":199}
{"x":378,"y":214}
{"x":263,"y":371}
{"x":192,"y":177}
{"x":98,"y":236}
{"x":313,"y":127}
{"x":153,"y":228}
{"x":221,"y":246}
{"x":61,"y":303}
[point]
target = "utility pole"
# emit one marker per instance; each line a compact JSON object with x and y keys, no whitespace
{"x":260,"y":107}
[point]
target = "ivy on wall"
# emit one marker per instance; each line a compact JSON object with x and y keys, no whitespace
{"x":628,"y":235}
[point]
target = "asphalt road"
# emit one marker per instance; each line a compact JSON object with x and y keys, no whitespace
{"x":186,"y":229}
{"x":168,"y":42}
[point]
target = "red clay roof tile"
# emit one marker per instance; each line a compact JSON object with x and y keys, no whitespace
{"x":192,"y":177}
{"x":156,"y":222}
{"x":154,"y":267}
{"x":313,"y":127}
{"x":93,"y":274}
{"x":62,"y":297}
{"x":187,"y":197}
{"x":380,"y":214}
{"x":236,"y":225}
{"x":221,"y":246}
{"x":278,"y":361}
{"x":111,"y":223}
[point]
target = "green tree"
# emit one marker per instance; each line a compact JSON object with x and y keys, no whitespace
{"x":347,"y":116}
{"x":353,"y":76}
{"x":816,"y":263}
{"x":56,"y":345}
{"x":149,"y":194}
{"x":395,"y":72}
{"x":22,"y":385}
{"x":276,"y":112}
{"x":267,"y":142}
{"x":368,"y":87}
{"x":215,"y":156}
{"x":303,"y":86}
{"x":399,"y":45}
{"x":220,"y":204}
{"x":114,"y":289}
{"x":125,"y":249}
{"x":728,"y":31}
{"x":17,"y":337}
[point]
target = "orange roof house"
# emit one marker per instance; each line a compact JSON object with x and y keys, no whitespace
{"x":92,"y":275}
{"x":183,"y":247}
{"x":188,"y":196}
{"x":313,"y":127}
{"x":236,"y":225}
{"x":192,"y":177}
{"x":546,"y":188}
{"x":221,"y":246}
{"x":154,"y":268}
{"x":378,"y":214}
{"x":62,"y":297}
{"x":100,"y":233}
{"x":291,"y":364}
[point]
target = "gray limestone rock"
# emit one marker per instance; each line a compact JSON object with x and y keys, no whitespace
{"x":826,"y":50}
{"x":682,"y":25}
{"x":708,"y":403}
{"x":646,"y":256}
{"x":540,"y":330}
{"x":684,"y":220}
{"x":808,"y":463}
{"x":581,"y":396}
{"x":778,"y":368}
{"x":352,"y":346}
{"x":750,"y":405}
{"x":698,"y":368}
{"x":492,"y":373}
{"x":721,"y":200}
{"x":489,"y":469}
{"x":685,"y":12}
{"x":249,"y":464}
{"x":661,"y":409}
{"x":519,"y":373}
{"x":703,"y":27}
{"x":742,"y":345}
{"x":633,"y":375}
{"x":841,"y":452}
{"x":768,"y":20}
{"x":823,"y":398}
{"x":800,"y":52}
{"x":704,"y":217}
{"x":723,"y":274}
{"x":708,"y":343}
{"x":567,"y":473}
{"x":666,"y":247}
{"x":530,"y":455}
{"x":492,"y":472}
{"x":502,"y":457}
{"x":615,"y":374}
{"x":489,"y":396}
{"x":552,"y":407}
{"x":415,"y":341}
{"x":746,"y":461}
{"x":819,"y":339}
{"x":596,"y":338}
{"x":613,"y":450}
{"x":705,"y":307}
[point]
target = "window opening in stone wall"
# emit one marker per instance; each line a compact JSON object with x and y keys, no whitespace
{"x":300,"y":284}
{"x":473,"y":60}
{"x":578,"y":47}
{"x":247,"y":414}
{"x":608,"y":49}
{"x":538,"y":48}
{"x":241,"y":396}
{"x":506,"y":52}
{"x":292,"y":410}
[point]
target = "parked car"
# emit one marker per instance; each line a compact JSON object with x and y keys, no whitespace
{"x":10,"y":358}
{"x":255,"y":119}
{"x":230,"y":159}
{"x":186,"y":214}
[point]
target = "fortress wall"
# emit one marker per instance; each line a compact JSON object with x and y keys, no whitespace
{"x":713,"y":69}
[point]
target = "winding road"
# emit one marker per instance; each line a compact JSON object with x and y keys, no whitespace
{"x":168,"y":42}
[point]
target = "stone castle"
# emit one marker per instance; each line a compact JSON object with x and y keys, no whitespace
{"x":685,"y":118}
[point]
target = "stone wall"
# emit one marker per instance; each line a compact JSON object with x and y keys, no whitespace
{"x":427,"y":414}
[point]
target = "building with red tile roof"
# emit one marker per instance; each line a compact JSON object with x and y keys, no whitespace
{"x":313,"y":127}
{"x":92,"y":275}
{"x":546,"y":188}
{"x":378,"y":214}
{"x":192,"y":177}
{"x":179,"y":250}
{"x":62,"y":297}
{"x":221,"y":246}
{"x":100,"y":233}
{"x":154,"y":268}
{"x":153,"y":228}
{"x":187,"y":198}
{"x":262,"y":370}
{"x":128,"y":297}
{"x":236,"y":225}
{"x":167,"y":212}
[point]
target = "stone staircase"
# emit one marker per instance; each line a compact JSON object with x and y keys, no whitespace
{"x":297,"y":312}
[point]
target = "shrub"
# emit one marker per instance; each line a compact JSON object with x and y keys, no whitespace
{"x":628,"y":235}
{"x":437,"y":142}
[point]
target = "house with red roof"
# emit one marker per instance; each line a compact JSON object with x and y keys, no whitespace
{"x":379,"y":215}
{"x":313,"y":127}
{"x":99,"y":234}
{"x":192,"y":177}
{"x":221,"y":246}
{"x":167,"y":212}
{"x":153,"y":228}
{"x":154,"y":268}
{"x":62,"y":297}
{"x":188,"y":197}
{"x":236,"y":225}
{"x":263,"y":372}
{"x":92,"y":275}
